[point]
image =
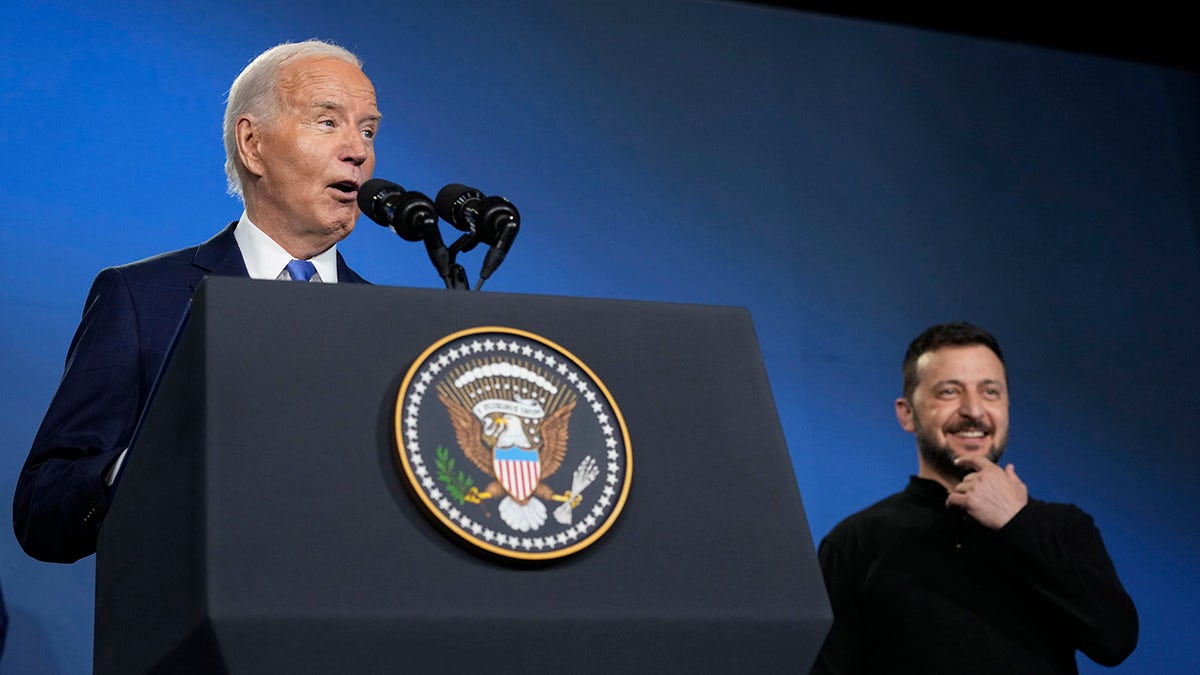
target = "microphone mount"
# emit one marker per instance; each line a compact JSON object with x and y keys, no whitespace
{"x":414,"y":217}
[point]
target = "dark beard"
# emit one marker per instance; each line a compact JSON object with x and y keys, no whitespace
{"x":941,"y":457}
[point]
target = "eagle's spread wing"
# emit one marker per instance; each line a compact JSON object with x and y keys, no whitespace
{"x":468,"y":430}
{"x":554,"y":439}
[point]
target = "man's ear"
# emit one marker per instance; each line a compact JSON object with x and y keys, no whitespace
{"x":904,"y":414}
{"x":246,"y":132}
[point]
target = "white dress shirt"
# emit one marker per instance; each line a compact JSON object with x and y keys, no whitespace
{"x":266,"y":259}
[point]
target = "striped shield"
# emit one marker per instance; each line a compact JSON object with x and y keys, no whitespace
{"x":518,"y":470}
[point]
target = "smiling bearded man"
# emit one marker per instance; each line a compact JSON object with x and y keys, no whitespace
{"x":953,"y":414}
{"x":964,"y":572}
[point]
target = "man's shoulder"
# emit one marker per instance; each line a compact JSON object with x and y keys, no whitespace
{"x":185,"y":262}
{"x":1057,"y":511}
{"x":156,"y":264}
{"x":880,"y":514}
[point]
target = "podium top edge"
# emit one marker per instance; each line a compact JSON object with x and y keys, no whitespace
{"x":223,"y":284}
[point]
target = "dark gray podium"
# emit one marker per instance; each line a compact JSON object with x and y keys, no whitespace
{"x":254,"y":532}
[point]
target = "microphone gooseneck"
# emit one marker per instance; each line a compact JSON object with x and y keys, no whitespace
{"x":413,"y":216}
{"x":494,"y":221}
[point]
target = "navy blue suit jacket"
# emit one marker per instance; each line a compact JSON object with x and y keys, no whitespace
{"x":129,"y":321}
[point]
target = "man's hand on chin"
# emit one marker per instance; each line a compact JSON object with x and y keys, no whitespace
{"x":989,"y":494}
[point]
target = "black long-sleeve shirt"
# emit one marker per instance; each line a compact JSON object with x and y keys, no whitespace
{"x":917,"y":587}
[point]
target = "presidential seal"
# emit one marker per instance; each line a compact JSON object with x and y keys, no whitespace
{"x":513,"y":443}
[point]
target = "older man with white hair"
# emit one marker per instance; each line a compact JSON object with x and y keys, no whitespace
{"x":299,"y":131}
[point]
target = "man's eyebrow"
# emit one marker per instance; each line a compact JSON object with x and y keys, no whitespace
{"x":959,"y":383}
{"x":946,"y":381}
{"x":334,"y":105}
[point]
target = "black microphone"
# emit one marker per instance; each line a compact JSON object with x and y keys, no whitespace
{"x":411,"y":214}
{"x":492,"y":220}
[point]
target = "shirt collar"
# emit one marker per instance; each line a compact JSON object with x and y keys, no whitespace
{"x":265,"y":259}
{"x":927,"y":490}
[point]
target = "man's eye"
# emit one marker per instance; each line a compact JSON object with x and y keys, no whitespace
{"x":368,"y":133}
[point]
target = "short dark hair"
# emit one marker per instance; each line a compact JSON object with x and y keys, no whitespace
{"x":955,"y":334}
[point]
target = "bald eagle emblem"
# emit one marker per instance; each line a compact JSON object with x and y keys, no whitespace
{"x":507,"y":432}
{"x":513,"y":443}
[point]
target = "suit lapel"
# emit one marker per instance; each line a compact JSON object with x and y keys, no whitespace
{"x":219,"y":255}
{"x":347,"y":275}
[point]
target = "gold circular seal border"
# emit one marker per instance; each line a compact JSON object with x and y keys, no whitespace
{"x":453,"y":526}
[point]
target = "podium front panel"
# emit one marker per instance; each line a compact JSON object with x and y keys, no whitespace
{"x":264,"y":516}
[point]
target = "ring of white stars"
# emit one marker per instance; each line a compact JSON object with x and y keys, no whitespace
{"x":608,"y":487}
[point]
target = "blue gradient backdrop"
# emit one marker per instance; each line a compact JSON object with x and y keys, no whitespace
{"x":848,"y":182}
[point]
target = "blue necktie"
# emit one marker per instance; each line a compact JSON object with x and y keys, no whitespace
{"x":301,"y":270}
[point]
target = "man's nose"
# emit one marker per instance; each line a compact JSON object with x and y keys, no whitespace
{"x":356,"y":149}
{"x":972,"y":406}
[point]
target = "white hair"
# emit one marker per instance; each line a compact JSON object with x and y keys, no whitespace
{"x":255,"y":92}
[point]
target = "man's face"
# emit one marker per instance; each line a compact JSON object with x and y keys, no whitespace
{"x":309,"y":161}
{"x":959,"y":407}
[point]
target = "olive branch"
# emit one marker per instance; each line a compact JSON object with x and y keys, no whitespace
{"x":457,"y":484}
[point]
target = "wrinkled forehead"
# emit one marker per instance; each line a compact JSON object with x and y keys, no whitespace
{"x":311,"y":80}
{"x":966,"y":363}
